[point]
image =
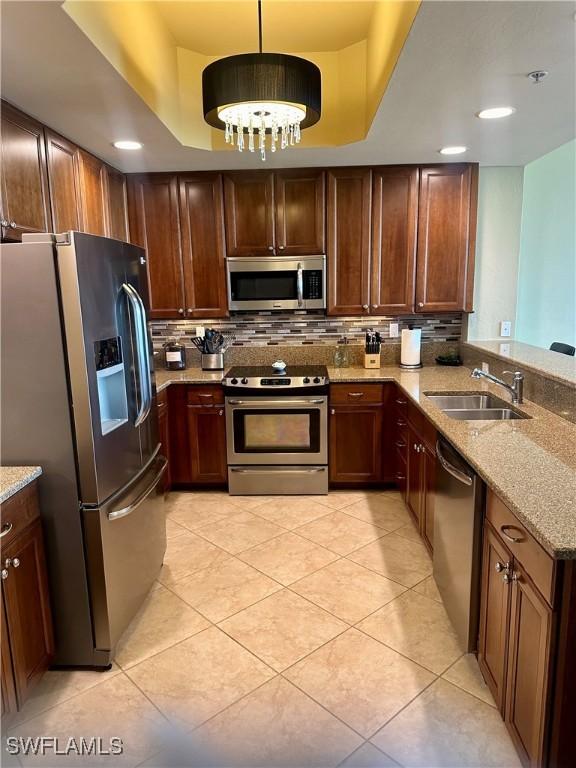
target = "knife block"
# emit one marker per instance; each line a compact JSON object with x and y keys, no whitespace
{"x":372,"y":360}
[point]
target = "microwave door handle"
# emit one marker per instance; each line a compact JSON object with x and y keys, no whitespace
{"x":142,"y":353}
{"x":300,"y":285}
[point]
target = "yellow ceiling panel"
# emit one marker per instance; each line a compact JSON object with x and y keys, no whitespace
{"x":161,"y":48}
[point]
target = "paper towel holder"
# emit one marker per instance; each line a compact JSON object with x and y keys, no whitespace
{"x":411,"y":366}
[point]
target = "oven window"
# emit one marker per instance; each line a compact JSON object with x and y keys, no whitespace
{"x":278,"y":431}
{"x":246,"y":286}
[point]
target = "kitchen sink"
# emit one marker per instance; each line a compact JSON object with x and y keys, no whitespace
{"x":472,"y":407}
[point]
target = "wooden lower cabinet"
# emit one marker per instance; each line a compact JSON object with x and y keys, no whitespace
{"x":530,"y":642}
{"x":421,"y":476}
{"x":356,"y":443}
{"x":164,"y":434}
{"x":27,"y":638}
{"x":197,"y":435}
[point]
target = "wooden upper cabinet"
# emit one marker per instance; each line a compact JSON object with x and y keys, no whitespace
{"x":528,"y":668}
{"x":64,"y":180}
{"x":93,"y":203}
{"x":249,"y":206}
{"x":24,"y":193}
{"x":117,"y":204}
{"x":394,"y":224}
{"x":202,"y":222}
{"x":155,"y":225}
{"x":446,"y":238}
{"x":300,"y":212}
{"x":348,"y":240}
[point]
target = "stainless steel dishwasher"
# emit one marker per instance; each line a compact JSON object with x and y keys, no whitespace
{"x":457,"y":541}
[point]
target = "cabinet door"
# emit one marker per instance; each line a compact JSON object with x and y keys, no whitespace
{"x":446,"y":238}
{"x":415,"y":476}
{"x":164,"y":434}
{"x":202,"y":220}
{"x":9,"y":705}
{"x":249,"y":206}
{"x":394,"y":219}
{"x":355,"y":444}
{"x":155,"y":225}
{"x":300,"y":208}
{"x":428,"y":497}
{"x":92,"y":194}
{"x":117,"y":205}
{"x":64,"y":180}
{"x":528,"y":665}
{"x":207,"y":440}
{"x":25,"y":205}
{"x":348,"y":241}
{"x":28,"y":609}
{"x":494,"y":610}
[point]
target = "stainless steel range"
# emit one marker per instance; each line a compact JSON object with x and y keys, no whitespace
{"x":277,"y":430}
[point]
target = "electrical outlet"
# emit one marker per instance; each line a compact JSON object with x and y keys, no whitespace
{"x":485,"y":367}
{"x":504,"y":349}
{"x":200,"y":331}
{"x":505,"y":328}
{"x":394,"y":330}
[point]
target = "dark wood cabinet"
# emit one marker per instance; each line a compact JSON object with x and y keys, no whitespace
{"x":93,"y":202}
{"x":155,"y":225}
{"x":494,"y":611}
{"x":348,"y":240}
{"x":299,"y":201}
{"x":420,"y":452}
{"x":529,"y":653}
{"x":249,"y":206}
{"x":428,"y":497}
{"x":9,"y":703}
{"x":356,"y":433}
{"x":197,"y":434}
{"x":394,"y":223}
{"x":24,"y":179}
{"x":117,"y":205}
{"x":203,"y":253}
{"x":414,"y":476}
{"x":446,"y":238}
{"x":27,"y":635}
{"x":64,"y":182}
{"x":164,"y":434}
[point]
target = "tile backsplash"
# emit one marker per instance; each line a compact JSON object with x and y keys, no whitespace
{"x":268,"y":329}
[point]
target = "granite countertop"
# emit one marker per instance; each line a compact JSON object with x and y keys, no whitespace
{"x":529,"y":463}
{"x":553,"y":365}
{"x":13,"y":479}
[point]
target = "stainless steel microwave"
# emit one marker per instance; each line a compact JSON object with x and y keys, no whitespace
{"x":276,"y":282}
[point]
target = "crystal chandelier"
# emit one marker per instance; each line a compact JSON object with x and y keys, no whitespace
{"x":258,"y":96}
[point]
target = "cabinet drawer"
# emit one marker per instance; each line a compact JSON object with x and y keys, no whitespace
{"x":356,"y":393}
{"x":18,"y":512}
{"x":205,"y":395}
{"x":536,"y":561}
{"x":400,"y":405}
{"x":423,"y":428}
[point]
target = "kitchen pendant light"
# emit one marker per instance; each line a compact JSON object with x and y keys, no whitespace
{"x":254,"y":95}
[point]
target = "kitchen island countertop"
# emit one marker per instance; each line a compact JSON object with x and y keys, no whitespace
{"x":529,"y":463}
{"x":13,"y":479}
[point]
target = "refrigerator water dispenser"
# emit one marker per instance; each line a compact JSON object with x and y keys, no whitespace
{"x":111,"y":377}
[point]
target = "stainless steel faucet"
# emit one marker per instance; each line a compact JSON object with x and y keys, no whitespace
{"x":516,"y":388}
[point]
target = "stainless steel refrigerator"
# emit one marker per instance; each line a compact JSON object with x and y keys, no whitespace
{"x":78,"y":399}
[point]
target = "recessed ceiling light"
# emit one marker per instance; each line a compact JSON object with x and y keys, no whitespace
{"x":452,"y":150}
{"x":493,"y":113}
{"x":127,"y":144}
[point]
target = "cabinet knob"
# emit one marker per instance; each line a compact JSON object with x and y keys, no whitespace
{"x":16,"y":562}
{"x":4,"y":222}
{"x":270,"y":247}
{"x":502,"y":567}
{"x":332,"y":411}
{"x":189,"y":310}
{"x":221,"y":412}
{"x":13,"y":224}
{"x":420,"y":304}
{"x":364,"y":306}
{"x":181,"y":311}
{"x":281,"y":247}
{"x":4,"y":574}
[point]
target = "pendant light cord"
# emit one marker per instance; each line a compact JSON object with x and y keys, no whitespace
{"x":260,"y":26}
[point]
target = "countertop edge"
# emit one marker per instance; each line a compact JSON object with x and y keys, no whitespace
{"x":18,"y":478}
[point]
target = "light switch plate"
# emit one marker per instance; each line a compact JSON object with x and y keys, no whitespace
{"x":505,"y":328}
{"x":394,"y":330}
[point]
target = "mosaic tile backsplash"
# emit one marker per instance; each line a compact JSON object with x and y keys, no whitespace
{"x":269,"y":329}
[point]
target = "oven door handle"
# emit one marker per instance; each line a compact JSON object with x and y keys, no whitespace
{"x":272,"y":403}
{"x":275,"y":469}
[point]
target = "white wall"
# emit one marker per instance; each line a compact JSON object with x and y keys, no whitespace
{"x":497,"y":251}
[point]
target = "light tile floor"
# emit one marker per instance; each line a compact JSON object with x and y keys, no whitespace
{"x":297,"y":632}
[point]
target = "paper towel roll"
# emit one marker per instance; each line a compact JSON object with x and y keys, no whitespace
{"x":410,"y":349}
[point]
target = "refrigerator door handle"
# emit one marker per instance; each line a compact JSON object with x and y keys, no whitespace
{"x":142,"y":351}
{"x":116,"y":514}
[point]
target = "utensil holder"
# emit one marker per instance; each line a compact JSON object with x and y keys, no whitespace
{"x":372,"y":360}
{"x":214,"y":362}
